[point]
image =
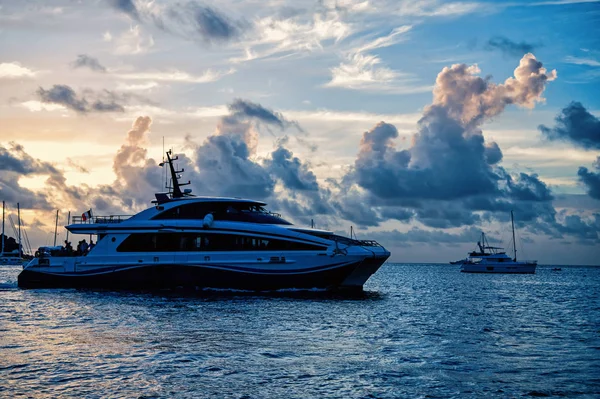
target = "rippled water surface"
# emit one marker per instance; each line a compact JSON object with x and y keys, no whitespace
{"x":419,"y":331}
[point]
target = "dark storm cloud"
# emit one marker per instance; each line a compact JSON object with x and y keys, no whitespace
{"x":575,"y":125}
{"x":508,"y":47}
{"x":224,"y":159}
{"x":226,"y":168}
{"x":241,"y":110}
{"x":15,"y":159}
{"x":85,"y":61}
{"x":493,"y":154}
{"x":291,"y":171}
{"x":190,"y":20}
{"x":211,"y":24}
{"x":64,"y":95}
{"x":447,"y":216}
{"x":14,"y":163}
{"x":126,"y":6}
{"x":525,"y":187}
{"x":591,"y":179}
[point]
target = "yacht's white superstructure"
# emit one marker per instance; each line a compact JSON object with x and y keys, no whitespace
{"x":206,"y":242}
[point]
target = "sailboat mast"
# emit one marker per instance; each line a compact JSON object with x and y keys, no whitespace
{"x":512,"y":222}
{"x":2,"y":228}
{"x":19,"y":217}
{"x":55,"y":227}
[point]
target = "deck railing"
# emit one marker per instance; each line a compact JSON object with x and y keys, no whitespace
{"x":100,"y":219}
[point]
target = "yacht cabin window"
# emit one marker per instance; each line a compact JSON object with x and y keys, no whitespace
{"x":176,"y":242}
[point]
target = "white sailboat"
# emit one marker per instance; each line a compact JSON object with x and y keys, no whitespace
{"x":493,"y":260}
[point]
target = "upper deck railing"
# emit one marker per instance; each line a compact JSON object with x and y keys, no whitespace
{"x":100,"y":219}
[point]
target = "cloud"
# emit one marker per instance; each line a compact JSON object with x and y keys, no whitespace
{"x":76,"y":166}
{"x":14,"y":70}
{"x":508,"y":47}
{"x":64,"y":95}
{"x":575,"y":125}
{"x":208,"y":22}
{"x":137,"y":176}
{"x":450,"y":171}
{"x":14,"y":163}
{"x":434,"y":8}
{"x":591,"y":180}
{"x":126,"y":6}
{"x":190,"y":20}
{"x":418,"y":235}
{"x":582,"y":61}
{"x":176,"y":76}
{"x":85,"y":61}
{"x":363,"y":71}
{"x":241,"y":110}
{"x":224,"y":159}
{"x":132,"y":41}
{"x":293,"y":35}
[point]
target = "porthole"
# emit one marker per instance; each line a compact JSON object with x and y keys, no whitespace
{"x":113,"y":239}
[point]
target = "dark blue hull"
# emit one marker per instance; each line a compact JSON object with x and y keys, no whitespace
{"x":180,"y":276}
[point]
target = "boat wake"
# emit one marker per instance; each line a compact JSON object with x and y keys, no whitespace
{"x":8,"y":285}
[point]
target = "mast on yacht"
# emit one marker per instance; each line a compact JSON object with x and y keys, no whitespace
{"x":512,"y":222}
{"x":175,"y":188}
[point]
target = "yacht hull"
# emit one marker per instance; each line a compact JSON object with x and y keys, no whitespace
{"x":342,"y":275}
{"x":498,"y":268}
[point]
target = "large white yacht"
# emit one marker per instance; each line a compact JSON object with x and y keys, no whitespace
{"x":493,"y":260}
{"x":205,"y":242}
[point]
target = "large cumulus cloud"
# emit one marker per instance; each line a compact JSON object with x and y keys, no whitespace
{"x":450,"y":171}
{"x":451,"y":176}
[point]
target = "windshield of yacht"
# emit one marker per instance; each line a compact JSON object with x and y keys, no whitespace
{"x":231,"y":211}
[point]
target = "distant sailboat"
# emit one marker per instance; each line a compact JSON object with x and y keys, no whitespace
{"x":13,"y":258}
{"x":493,"y":260}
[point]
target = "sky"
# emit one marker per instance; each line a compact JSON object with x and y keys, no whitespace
{"x":418,"y":124}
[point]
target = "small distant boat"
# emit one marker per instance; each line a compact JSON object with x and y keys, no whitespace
{"x":556,"y":269}
{"x":493,"y":260}
{"x":14,"y":257}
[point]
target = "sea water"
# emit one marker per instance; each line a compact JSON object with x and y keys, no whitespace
{"x":419,"y":331}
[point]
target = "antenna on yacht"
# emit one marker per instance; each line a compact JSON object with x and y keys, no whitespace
{"x":175,"y":189}
{"x":512,"y":221}
{"x":163,"y":162}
